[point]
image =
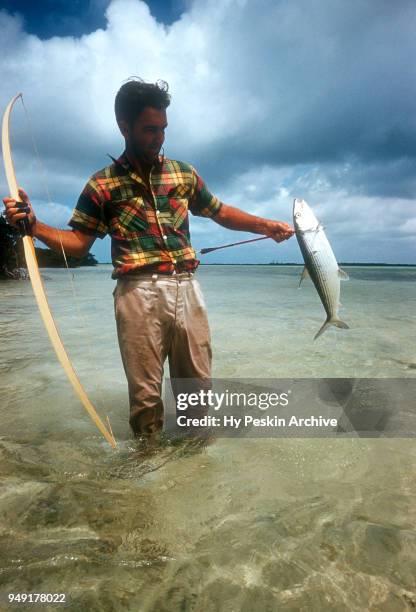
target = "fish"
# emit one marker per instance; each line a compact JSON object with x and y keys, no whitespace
{"x":320,"y":263}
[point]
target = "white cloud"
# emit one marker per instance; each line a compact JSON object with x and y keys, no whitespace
{"x":409,"y":227}
{"x":271,"y":100}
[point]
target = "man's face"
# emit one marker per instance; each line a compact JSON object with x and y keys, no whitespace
{"x":146,"y":136}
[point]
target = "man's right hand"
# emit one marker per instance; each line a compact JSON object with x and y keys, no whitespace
{"x":75,"y":242}
{"x":14,"y":214}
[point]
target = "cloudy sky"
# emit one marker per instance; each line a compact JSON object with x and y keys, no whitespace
{"x":271,"y":100}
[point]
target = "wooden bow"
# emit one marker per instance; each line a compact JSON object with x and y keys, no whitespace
{"x":38,"y":288}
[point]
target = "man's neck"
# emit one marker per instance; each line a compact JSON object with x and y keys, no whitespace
{"x":142,"y":167}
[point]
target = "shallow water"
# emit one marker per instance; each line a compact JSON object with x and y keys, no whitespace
{"x":253,"y":524}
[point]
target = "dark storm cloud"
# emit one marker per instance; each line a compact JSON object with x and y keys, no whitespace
{"x":58,"y":17}
{"x":328,"y":81}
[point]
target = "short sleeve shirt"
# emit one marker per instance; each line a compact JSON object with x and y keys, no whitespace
{"x":147,"y":227}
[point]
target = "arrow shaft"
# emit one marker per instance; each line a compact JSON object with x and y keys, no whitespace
{"x":227,"y":246}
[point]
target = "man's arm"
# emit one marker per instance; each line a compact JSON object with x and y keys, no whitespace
{"x":75,"y":242}
{"x":236,"y":219}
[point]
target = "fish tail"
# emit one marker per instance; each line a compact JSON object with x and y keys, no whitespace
{"x":328,"y":322}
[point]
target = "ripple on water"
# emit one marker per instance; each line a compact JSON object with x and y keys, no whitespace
{"x":239,"y":524}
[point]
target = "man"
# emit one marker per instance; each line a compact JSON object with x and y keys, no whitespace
{"x":142,"y":200}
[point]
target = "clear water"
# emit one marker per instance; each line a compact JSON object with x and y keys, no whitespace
{"x":260,"y":524}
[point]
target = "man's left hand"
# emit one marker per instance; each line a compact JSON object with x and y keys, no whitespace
{"x":279,"y":230}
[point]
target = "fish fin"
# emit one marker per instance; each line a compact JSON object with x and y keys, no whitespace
{"x":328,"y":322}
{"x":304,"y":275}
{"x":323,"y":328}
{"x":339,"y":323}
{"x":342,"y":274}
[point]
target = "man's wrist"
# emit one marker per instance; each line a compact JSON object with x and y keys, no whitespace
{"x":267,"y":227}
{"x":34,"y":226}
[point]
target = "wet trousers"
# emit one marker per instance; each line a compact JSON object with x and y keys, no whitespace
{"x":158,"y":317}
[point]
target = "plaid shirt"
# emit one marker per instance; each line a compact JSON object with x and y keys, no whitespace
{"x":147,"y":228}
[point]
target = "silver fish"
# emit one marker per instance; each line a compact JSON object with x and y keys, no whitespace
{"x":320,"y":262}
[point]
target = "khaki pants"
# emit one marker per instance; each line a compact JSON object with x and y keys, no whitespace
{"x":160,"y":316}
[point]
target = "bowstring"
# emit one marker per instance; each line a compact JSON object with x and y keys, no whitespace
{"x":71,"y":274}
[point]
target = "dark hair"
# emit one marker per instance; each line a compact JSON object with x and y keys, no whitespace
{"x":135,"y":95}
